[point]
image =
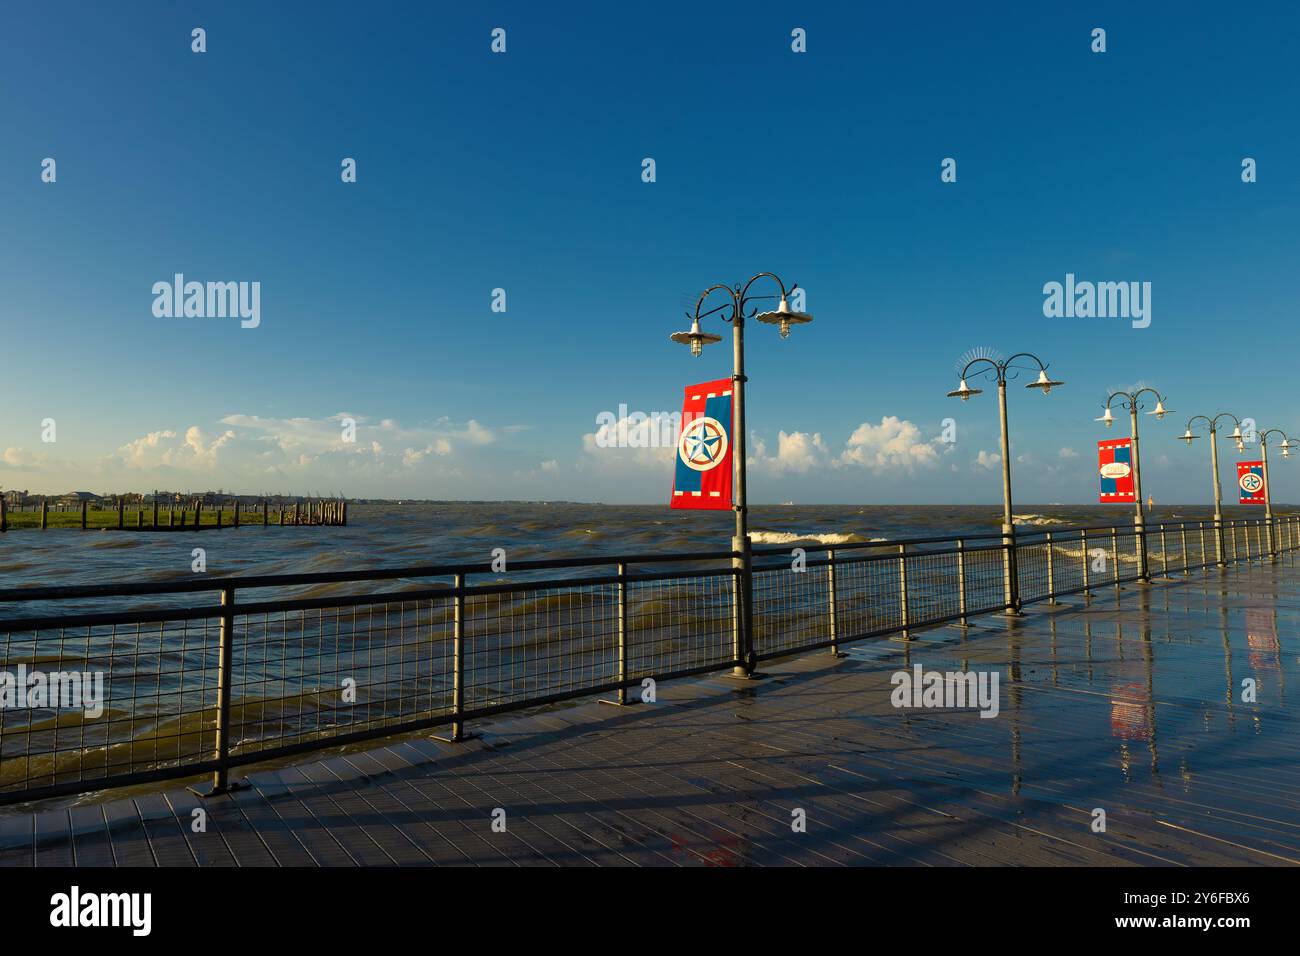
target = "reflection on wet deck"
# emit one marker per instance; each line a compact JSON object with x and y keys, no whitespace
{"x":1138,"y":706}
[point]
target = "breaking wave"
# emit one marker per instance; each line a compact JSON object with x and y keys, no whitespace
{"x":790,"y":537}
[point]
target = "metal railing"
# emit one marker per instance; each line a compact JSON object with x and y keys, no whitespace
{"x":285,"y":664}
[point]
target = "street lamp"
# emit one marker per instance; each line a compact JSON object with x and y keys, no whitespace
{"x":999,"y":369}
{"x":783,"y":317}
{"x":1187,"y":436}
{"x":1268,"y":489}
{"x":1133,"y":402}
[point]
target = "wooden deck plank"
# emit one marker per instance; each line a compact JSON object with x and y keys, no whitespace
{"x":587,"y":811}
{"x":737,"y":825}
{"x":387,"y":824}
{"x":435,"y":843}
{"x":90,"y":841}
{"x":360,"y":848}
{"x":476,"y":818}
{"x":292,"y":834}
{"x":127,"y":834}
{"x":53,"y":838}
{"x":17,"y":840}
{"x":408,"y":784}
{"x":242,"y":837}
{"x":507,"y":781}
{"x":207,"y":845}
{"x":164,"y":831}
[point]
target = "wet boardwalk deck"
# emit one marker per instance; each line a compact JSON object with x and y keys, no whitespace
{"x":1132,"y":705}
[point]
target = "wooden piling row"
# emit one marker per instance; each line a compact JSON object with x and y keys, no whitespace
{"x":312,"y":512}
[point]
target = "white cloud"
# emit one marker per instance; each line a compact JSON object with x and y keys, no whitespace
{"x":1068,"y":452}
{"x":892,"y":445}
{"x":797,"y":452}
{"x":258,"y":450}
{"x":987,"y":460}
{"x":21,"y":458}
{"x":631,"y":444}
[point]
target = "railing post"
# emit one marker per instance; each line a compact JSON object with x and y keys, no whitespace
{"x":902,"y":588}
{"x":1164,"y":552}
{"x":83,"y":514}
{"x":737,"y":611}
{"x":622,"y":633}
{"x":1010,"y":570}
{"x":457,"y":663}
{"x":1114,"y":555}
{"x":1051,"y":570}
{"x":265,"y":513}
{"x":458,"y":660}
{"x":1182,"y":530}
{"x":120,"y":506}
{"x":830,"y":602}
{"x":1201,"y":526}
{"x":751,"y":652}
{"x":961,"y":582}
{"x":742,"y":624}
{"x":45,"y":514}
{"x":1083,"y":543}
{"x":225,"y":659}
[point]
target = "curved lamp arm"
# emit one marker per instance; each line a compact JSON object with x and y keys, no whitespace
{"x":708,"y":292}
{"x":744,"y":292}
{"x":997,"y":368}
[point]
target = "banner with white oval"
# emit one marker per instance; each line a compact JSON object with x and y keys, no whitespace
{"x":1115,"y":470}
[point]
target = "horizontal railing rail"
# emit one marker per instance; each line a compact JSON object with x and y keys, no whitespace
{"x":186,"y":690}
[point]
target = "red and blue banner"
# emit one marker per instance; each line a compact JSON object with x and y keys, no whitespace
{"x":1250,"y":479}
{"x":1115,"y":465}
{"x":703,"y":475}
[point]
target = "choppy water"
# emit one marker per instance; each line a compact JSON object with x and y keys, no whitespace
{"x":393,"y":535}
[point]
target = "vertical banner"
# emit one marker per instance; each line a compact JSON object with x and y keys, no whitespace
{"x":1250,"y":479}
{"x":1115,"y":465}
{"x":702,"y":478}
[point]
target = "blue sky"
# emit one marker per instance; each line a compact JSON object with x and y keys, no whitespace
{"x":522,"y":171}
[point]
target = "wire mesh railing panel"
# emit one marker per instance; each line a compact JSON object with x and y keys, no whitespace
{"x":985,"y":579}
{"x":791,"y":608}
{"x":1032,"y":570}
{"x":100,"y":702}
{"x":537,"y":643}
{"x":302,"y":675}
{"x":868,"y":596}
{"x":1200,"y":540}
{"x":932,"y":587}
{"x":1127,"y":552}
{"x":680,"y":624}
